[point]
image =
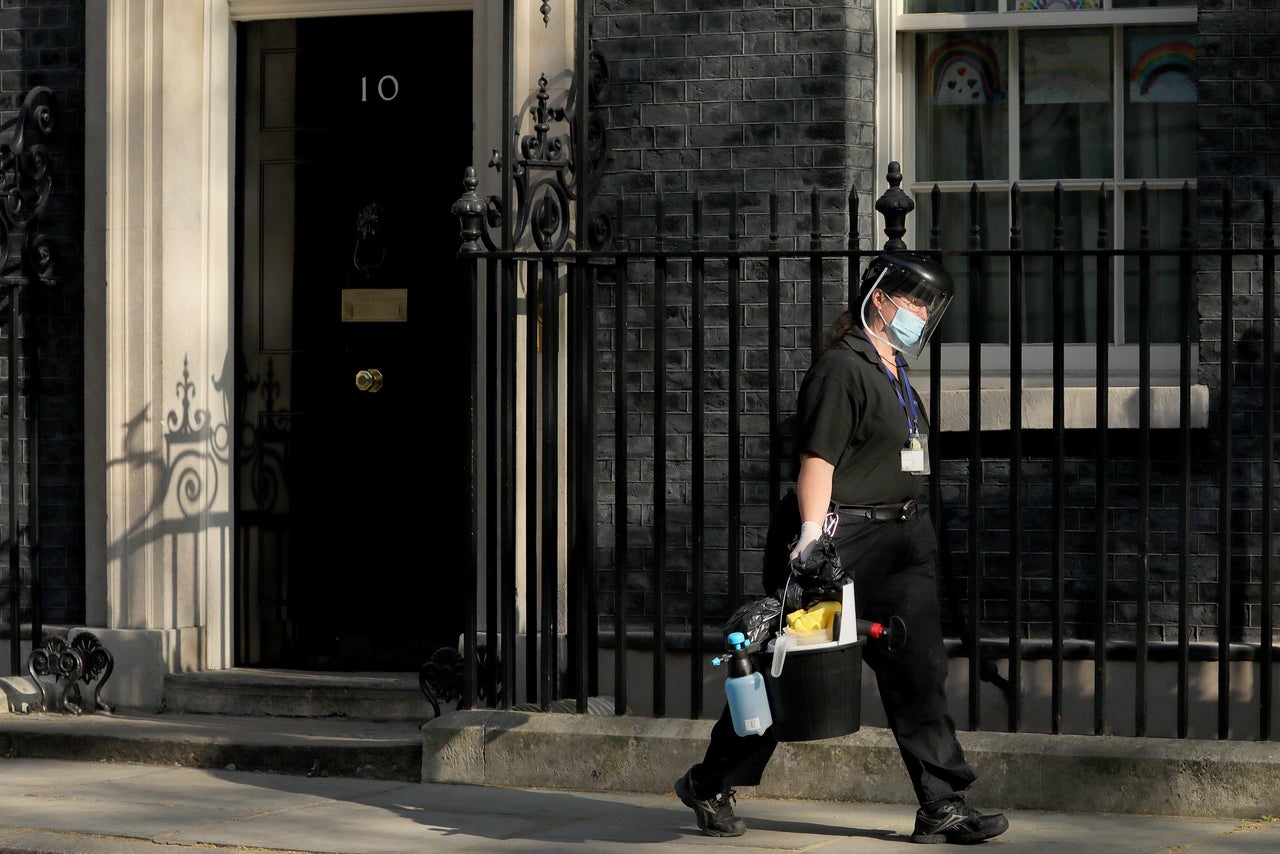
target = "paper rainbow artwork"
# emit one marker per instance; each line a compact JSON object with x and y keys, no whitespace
{"x":1163,"y":71}
{"x":964,"y":71}
{"x":1066,"y":69}
{"x":1044,"y":5}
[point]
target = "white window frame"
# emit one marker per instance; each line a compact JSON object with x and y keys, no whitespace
{"x":895,"y":111}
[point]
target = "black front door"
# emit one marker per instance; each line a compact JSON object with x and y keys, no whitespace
{"x":354,"y":134}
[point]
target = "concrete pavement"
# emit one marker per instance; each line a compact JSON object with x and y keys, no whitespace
{"x":54,"y":805}
{"x":518,"y":781}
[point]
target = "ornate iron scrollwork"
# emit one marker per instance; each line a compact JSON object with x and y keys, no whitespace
{"x":546,"y":175}
{"x":440,"y":678}
{"x":25,"y":184}
{"x":85,"y":660}
{"x":543,"y":178}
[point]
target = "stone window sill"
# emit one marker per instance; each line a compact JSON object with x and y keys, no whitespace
{"x":1079,"y":406}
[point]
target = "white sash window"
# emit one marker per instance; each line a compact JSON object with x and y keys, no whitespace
{"x":1098,"y":95}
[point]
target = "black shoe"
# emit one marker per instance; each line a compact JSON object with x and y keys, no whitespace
{"x":957,"y":822}
{"x":715,"y":815}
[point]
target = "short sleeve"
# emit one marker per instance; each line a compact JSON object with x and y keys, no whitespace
{"x":825,"y":417}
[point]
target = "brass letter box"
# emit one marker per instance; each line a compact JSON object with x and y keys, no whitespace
{"x":375,"y":305}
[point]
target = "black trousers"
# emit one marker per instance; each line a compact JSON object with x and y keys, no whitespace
{"x":894,"y":568}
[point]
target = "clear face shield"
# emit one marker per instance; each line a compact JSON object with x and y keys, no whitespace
{"x":904,"y":307}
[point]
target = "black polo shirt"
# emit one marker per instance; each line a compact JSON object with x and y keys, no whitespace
{"x":848,"y":413}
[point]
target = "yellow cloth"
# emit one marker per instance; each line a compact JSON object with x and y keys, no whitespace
{"x":820,"y":616}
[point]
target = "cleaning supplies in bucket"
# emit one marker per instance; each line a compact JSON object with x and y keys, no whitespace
{"x":816,"y":625}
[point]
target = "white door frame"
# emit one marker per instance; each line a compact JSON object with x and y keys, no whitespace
{"x":159,"y":201}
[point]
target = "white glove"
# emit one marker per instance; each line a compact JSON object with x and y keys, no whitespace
{"x":809,"y":533}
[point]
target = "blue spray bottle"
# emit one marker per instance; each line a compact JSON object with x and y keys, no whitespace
{"x":748,"y":702}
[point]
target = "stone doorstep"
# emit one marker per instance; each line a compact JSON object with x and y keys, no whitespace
{"x":291,"y":693}
{"x":292,"y":722}
{"x":242,"y":691}
{"x":328,"y":747}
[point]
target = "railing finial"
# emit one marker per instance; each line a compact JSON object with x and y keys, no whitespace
{"x":894,"y":206}
{"x":469,"y":209}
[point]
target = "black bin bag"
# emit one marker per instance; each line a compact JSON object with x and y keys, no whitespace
{"x":757,"y":620}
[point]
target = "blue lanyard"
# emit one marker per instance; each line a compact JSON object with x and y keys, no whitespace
{"x":908,"y":403}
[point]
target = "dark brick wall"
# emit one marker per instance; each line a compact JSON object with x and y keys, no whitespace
{"x":1069,"y":559}
{"x":734,"y":101}
{"x":1239,"y":160}
{"x":1239,"y":109}
{"x":42,"y":44}
{"x":746,"y":96}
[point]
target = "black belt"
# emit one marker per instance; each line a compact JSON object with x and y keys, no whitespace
{"x":882,"y":512}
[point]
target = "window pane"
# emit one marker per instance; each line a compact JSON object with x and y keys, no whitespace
{"x":1079,"y":229}
{"x":1161,"y":230}
{"x":962,"y":117}
{"x":954,"y":227}
{"x":1066,"y":123}
{"x":925,"y":6}
{"x":1053,"y":5}
{"x":1160,"y":103}
{"x":1070,"y":97}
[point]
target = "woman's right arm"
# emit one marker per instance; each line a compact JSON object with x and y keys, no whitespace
{"x":813,"y":487}
{"x":813,"y":491}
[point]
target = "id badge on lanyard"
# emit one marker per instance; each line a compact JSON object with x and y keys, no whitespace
{"x":915,"y":453}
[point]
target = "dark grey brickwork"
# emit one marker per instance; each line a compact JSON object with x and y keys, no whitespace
{"x":724,"y":96}
{"x":731,"y":100}
{"x":42,"y":44}
{"x":742,"y":97}
{"x":1239,"y":161}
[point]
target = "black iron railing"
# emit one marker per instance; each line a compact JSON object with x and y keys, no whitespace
{"x":640,"y":394}
{"x":27,"y":265}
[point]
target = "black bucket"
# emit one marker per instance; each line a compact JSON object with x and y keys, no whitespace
{"x":819,"y":692}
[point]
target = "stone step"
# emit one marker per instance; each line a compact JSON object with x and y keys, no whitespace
{"x":284,"y":721}
{"x":313,"y":747}
{"x":299,"y":694}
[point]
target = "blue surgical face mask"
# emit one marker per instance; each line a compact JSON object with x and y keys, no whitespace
{"x":906,"y":326}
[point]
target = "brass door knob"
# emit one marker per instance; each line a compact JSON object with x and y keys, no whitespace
{"x":370,"y":380}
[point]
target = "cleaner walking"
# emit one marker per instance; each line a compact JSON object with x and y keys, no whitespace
{"x":861,"y":445}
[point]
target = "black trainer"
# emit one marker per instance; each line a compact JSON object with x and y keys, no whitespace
{"x":957,"y":822}
{"x":715,"y":815}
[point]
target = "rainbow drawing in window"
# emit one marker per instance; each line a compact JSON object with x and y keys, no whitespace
{"x":1062,"y":69}
{"x":1045,"y":5}
{"x":964,"y":71}
{"x":1162,"y":69}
